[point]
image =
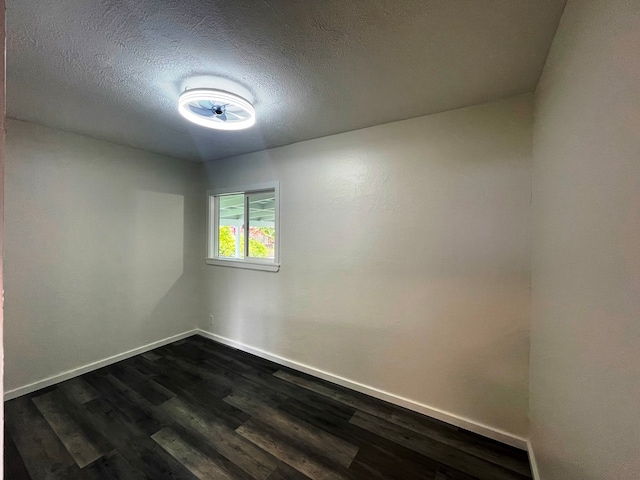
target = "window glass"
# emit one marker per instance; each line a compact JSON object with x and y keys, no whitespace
{"x":243,"y":228}
{"x":262,"y":223}
{"x":231,"y":226}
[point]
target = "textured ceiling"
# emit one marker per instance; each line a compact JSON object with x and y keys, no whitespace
{"x":114,"y":69}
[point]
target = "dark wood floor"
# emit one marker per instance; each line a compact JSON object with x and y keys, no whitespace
{"x":197,"y":409}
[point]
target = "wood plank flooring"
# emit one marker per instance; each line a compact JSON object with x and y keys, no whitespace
{"x":196,"y":409}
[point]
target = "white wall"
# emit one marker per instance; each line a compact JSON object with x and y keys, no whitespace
{"x":585,"y":354}
{"x":102,"y":248}
{"x":405,"y":260}
{"x":2,"y":155}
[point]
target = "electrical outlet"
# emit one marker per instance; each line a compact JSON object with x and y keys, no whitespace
{"x":210,"y":319}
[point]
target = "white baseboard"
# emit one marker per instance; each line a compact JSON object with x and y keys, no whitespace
{"x":61,"y":377}
{"x":458,"y":421}
{"x":467,"y":424}
{"x":532,"y":461}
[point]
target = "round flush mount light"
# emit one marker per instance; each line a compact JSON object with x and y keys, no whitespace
{"x":217,"y":109}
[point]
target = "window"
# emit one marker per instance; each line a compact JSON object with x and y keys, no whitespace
{"x":243,"y":227}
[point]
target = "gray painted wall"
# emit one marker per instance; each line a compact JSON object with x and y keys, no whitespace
{"x":585,"y":351}
{"x":102,"y":248}
{"x":405,"y":252}
{"x":405,"y":257}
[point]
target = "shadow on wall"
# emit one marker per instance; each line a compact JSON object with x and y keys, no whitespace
{"x":114,"y":293}
{"x":157,"y":260}
{"x":100,"y":249}
{"x":165,"y":264}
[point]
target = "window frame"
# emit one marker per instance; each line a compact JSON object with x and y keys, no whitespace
{"x":213,"y":228}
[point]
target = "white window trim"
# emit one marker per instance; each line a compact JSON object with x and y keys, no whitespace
{"x":212,"y":239}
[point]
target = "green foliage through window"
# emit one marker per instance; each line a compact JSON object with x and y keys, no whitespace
{"x":257,"y":249}
{"x":227,"y":242}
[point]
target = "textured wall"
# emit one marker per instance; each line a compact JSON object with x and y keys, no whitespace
{"x":405,"y":260}
{"x":585,"y":351}
{"x":100,"y":252}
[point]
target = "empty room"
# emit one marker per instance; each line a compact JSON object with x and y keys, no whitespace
{"x":275,"y":239}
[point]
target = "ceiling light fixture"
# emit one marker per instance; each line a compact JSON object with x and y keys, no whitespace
{"x":217,"y":109}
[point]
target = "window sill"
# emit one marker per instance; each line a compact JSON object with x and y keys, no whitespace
{"x":265,"y":267}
